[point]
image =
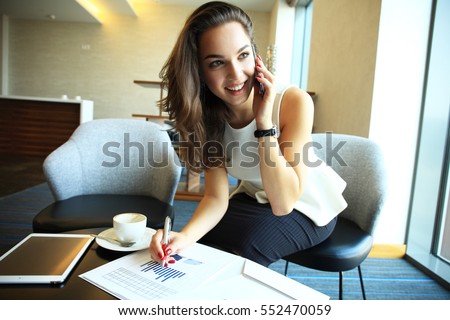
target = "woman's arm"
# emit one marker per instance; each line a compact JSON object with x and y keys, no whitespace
{"x":283,"y":170}
{"x":210,"y":210}
{"x":212,"y":207}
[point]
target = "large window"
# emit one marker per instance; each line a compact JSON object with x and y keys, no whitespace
{"x":428,"y":233}
{"x":302,"y":40}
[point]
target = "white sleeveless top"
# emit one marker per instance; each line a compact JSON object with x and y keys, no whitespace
{"x":321,"y":199}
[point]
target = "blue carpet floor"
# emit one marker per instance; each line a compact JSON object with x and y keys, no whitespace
{"x":384,"y":279}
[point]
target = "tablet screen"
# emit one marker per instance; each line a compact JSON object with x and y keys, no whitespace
{"x":42,"y":258}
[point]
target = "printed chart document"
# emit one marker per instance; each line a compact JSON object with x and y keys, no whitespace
{"x":136,"y":276}
{"x":201,"y":272}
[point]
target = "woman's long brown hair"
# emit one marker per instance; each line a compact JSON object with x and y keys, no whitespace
{"x":199,"y":115}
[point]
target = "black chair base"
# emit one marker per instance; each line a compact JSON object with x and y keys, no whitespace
{"x":94,"y":211}
{"x":346,"y":248}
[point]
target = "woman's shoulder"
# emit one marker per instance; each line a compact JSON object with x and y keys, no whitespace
{"x":293,"y":93}
{"x":296,"y":99}
{"x":296,"y":104}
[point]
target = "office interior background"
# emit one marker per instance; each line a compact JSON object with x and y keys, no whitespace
{"x":378,"y":69}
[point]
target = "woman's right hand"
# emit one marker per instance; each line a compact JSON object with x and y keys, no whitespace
{"x":208,"y":213}
{"x":159,"y":252}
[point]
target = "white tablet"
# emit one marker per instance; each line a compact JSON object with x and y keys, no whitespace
{"x":43,"y":258}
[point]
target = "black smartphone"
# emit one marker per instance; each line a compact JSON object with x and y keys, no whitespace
{"x":261,"y":86}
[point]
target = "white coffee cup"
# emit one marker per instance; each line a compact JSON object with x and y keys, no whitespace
{"x":129,"y":226}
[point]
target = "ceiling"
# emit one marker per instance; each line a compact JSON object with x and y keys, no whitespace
{"x":88,"y":10}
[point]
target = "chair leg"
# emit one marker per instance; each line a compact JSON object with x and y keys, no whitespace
{"x":362,"y":283}
{"x":341,"y":281}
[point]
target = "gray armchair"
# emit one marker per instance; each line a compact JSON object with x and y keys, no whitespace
{"x":359,"y":161}
{"x":110,"y":166}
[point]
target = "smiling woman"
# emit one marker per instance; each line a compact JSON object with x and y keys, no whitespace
{"x":213,"y":79}
{"x":197,"y":59}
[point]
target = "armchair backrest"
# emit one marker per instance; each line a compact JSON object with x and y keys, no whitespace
{"x":115,"y":156}
{"x":359,"y":161}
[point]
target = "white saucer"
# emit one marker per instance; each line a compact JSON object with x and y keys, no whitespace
{"x":141,"y":244}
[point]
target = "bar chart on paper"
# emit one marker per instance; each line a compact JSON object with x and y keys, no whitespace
{"x":162,"y":273}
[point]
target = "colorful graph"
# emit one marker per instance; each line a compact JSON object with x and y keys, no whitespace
{"x":163,"y":273}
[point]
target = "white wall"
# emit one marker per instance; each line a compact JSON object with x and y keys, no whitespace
{"x":396,"y":105}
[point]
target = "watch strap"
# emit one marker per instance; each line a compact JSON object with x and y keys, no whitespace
{"x":273,"y":132}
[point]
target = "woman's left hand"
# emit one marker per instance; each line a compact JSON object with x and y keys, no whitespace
{"x":263,"y":103}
